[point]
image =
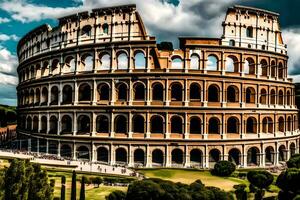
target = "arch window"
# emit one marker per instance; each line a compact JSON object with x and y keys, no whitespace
{"x":86,"y":31}
{"x":157,"y":124}
{"x":292,"y":149}
{"x":37,"y":96}
{"x":103,"y":92}
{"x":232,"y":94}
{"x":282,"y":153}
{"x":138,"y":124}
{"x":177,"y":63}
{"x":44,"y":96}
{"x":232,"y":64}
{"x":288,"y":98}
{"x":105,"y":28}
{"x":157,"y":92}
{"x":84,"y":92}
{"x":176,"y":124}
{"x":234,"y":156}
{"x":139,"y":92}
{"x":214,"y":156}
{"x":195,"y":92}
{"x":196,"y":157}
{"x":70,"y":64}
{"x":213,"y":93}
{"x":102,"y":155}
{"x":84,"y":124}
{"x":212,"y":63}
{"x":289,"y":124}
{"x":120,"y":124}
{"x":102,"y":124}
{"x":83,"y":153}
{"x":139,"y":60}
{"x":249,"y":66}
{"x":269,"y":155}
{"x":157,"y":157}
{"x":264,"y":67}
{"x":66,"y":151}
{"x":67,"y":94}
{"x":280,"y":97}
{"x":250,"y":95}
{"x":54,"y":95}
{"x":281,"y":124}
{"x":231,"y":43}
{"x":176,"y":92}
{"x":139,"y":157}
{"x":273,"y":97}
{"x":121,"y":156}
{"x":35,"y":124}
{"x":249,"y":32}
{"x":263,"y":96}
{"x":55,"y":67}
{"x":280,"y":70}
{"x":66,"y":124}
{"x":214,"y":126}
{"x":88,"y":62}
{"x":232,"y":125}
{"x":53,"y":125}
{"x":251,"y":126}
{"x":195,"y":61}
{"x":253,"y":156}
{"x":267,"y":125}
{"x":177,"y":156}
{"x":122,"y":92}
{"x":195,"y":125}
{"x":122,"y":60}
{"x":43,"y":124}
{"x":105,"y":61}
{"x":273,"y":69}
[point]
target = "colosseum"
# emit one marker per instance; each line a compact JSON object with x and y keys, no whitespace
{"x":97,"y":87}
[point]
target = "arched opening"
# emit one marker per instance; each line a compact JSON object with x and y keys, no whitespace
{"x":232,"y":64}
{"x":213,"y":93}
{"x":35,"y":124}
{"x":288,"y":98}
{"x":138,"y":124}
{"x":139,"y":92}
{"x":54,"y":95}
{"x":53,"y":125}
{"x":102,"y":155}
{"x":139,"y":157}
{"x":157,"y":158}
{"x":121,"y":156}
{"x":195,"y":92}
{"x":289,"y":124}
{"x":273,"y":97}
{"x":44,"y":96}
{"x":176,"y":92}
{"x":31,"y":97}
{"x":103,"y":92}
{"x":214,"y":157}
{"x":234,"y":156}
{"x":122,"y":92}
{"x":157,"y":92}
{"x":83,"y":153}
{"x":232,"y":125}
{"x":249,"y":32}
{"x":84,"y":124}
{"x":105,"y":61}
{"x":281,"y":124}
{"x":196,"y":157}
{"x":264,"y":67}
{"x":267,"y":125}
{"x":139,"y":61}
{"x":37,"y":96}
{"x":280,"y":97}
{"x":53,"y":147}
{"x":249,"y":66}
{"x":43,"y":124}
{"x":177,"y":63}
{"x":157,"y":124}
{"x":280,"y":70}
{"x":292,"y":149}
{"x":231,"y":43}
{"x":66,"y":124}
{"x":87,"y":62}
{"x":251,"y":125}
{"x":69,"y":65}
{"x":195,"y":125}
{"x":55,"y":67}
{"x":102,"y":125}
{"x":253,"y":156}
{"x":269,"y":155}
{"x":250,"y":95}
{"x":282,"y":153}
{"x":105,"y":28}
{"x":177,"y":157}
{"x":84,"y":92}
{"x":195,"y":60}
{"x":67,"y":94}
{"x":212,"y":63}
{"x":263,"y":96}
{"x":86,"y":31}
{"x":176,"y":124}
{"x":120,"y":124}
{"x":42,"y":145}
{"x":213,"y":126}
{"x":232,"y":94}
{"x":273,"y":69}
{"x":66,"y":151}
{"x":122,"y":61}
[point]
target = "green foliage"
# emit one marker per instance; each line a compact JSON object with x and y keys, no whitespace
{"x":116,"y":195}
{"x":259,"y":182}
{"x":73,"y":187}
{"x":26,"y":181}
{"x":288,"y":182}
{"x":82,"y":188}
{"x":240,"y":192}
{"x":223,"y":168}
{"x":96,"y":180}
{"x":63,"y":188}
{"x":294,"y":161}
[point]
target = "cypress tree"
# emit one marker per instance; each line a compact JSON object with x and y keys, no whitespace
{"x":63,"y":188}
{"x":82,"y":189}
{"x":73,"y":189}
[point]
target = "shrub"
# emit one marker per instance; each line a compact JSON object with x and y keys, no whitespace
{"x":294,"y":161}
{"x":259,"y":182}
{"x":116,"y":195}
{"x":288,"y":182}
{"x":223,"y":168}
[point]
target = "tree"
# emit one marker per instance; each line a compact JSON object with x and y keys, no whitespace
{"x":116,"y":195}
{"x":73,"y":187}
{"x":240,"y":192}
{"x":63,"y":188}
{"x":223,"y":168}
{"x":82,"y":188}
{"x":259,"y":182}
{"x":294,"y":161}
{"x":97,"y":181}
{"x":288,"y":182}
{"x":144,"y":190}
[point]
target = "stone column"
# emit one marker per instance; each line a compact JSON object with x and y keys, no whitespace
{"x":148,"y":157}
{"x":167,"y":134}
{"x":130,"y":131}
{"x":167,"y":100}
{"x":186,"y":100}
{"x":168,"y":162}
{"x":130,"y":157}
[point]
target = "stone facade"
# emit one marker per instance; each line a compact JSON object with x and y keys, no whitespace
{"x":97,"y":87}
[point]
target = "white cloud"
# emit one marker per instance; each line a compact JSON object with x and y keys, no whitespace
{"x":4,"y":37}
{"x":4,"y":20}
{"x":8,"y":64}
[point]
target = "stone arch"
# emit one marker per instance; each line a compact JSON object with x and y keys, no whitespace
{"x":292,"y":149}
{"x":35,"y":126}
{"x":280,"y":97}
{"x":281,"y":124}
{"x":269,"y":155}
{"x":66,"y":151}
{"x":102,"y":124}
{"x":234,"y":156}
{"x":83,"y":153}
{"x":253,"y":156}
{"x":195,"y":61}
{"x":195,"y":125}
{"x":196,"y":157}
{"x":54,"y":95}
{"x":138,"y":124}
{"x":157,"y":157}
{"x":250,"y":95}
{"x":273,"y":97}
{"x":282,"y":153}
{"x":157,"y":91}
{"x":273,"y":69}
{"x":214,"y":125}
{"x":43,"y":124}
{"x":249,"y":66}
{"x":213,"y":93}
{"x":105,"y":61}
{"x":176,"y":91}
{"x":195,"y":92}
{"x":44,"y":96}
{"x":177,"y":156}
{"x":139,"y":157}
{"x":267,"y":125}
{"x":53,"y":125}
{"x":157,"y":124}
{"x":263,"y":96}
{"x":87,"y":62}
{"x":122,"y":60}
{"x":177,"y":62}
{"x":121,"y":124}
{"x":212,"y":63}
{"x":122,"y":91}
{"x":84,"y":124}
{"x":84,"y":92}
{"x":176,"y":124}
{"x":231,"y":64}
{"x":69,"y":65}
{"x":139,"y":60}
{"x":214,"y":156}
{"x":251,"y":126}
{"x":232,"y":94}
{"x":233,"y":125}
{"x":139,"y":91}
{"x":102,"y":155}
{"x":103,"y":92}
{"x":66,"y":124}
{"x":264,"y":67}
{"x":67,"y":94}
{"x":121,"y":156}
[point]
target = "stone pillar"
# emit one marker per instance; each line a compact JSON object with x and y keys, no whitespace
{"x":148,"y":93}
{"x":186,"y":100}
{"x":113,"y":93}
{"x":94,"y":93}
{"x":186,"y":125}
{"x":130,"y":131}
{"x":112,"y":125}
{"x":206,"y":157}
{"x":75,"y":93}
{"x":74,"y":152}
{"x":112,"y":155}
{"x":148,"y":157}
{"x":58,"y":149}
{"x":167,"y":134}
{"x":130,"y":157}
{"x":47,"y":146}
{"x":168,"y":162}
{"x":148,"y":124}
{"x":166,"y":88}
{"x":94,"y":124}
{"x":130,"y":93}
{"x":187,"y":157}
{"x":75,"y":123}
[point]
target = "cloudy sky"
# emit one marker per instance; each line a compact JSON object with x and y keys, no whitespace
{"x":165,"y":19}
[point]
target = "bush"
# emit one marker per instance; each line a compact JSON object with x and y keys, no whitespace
{"x":96,"y":181}
{"x":288,"y":182}
{"x":294,"y":161}
{"x":116,"y":195}
{"x":260,"y":179}
{"x":223,"y":168}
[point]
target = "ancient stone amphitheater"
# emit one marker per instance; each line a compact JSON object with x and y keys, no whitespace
{"x":97,"y":87}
